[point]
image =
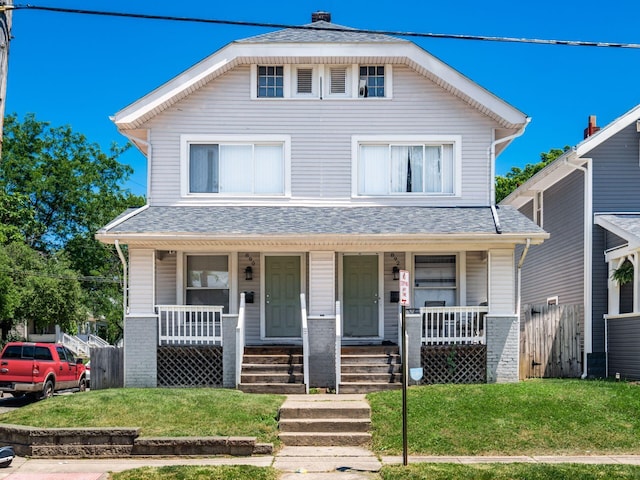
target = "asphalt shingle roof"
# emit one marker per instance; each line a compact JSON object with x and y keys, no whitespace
{"x":289,"y":220}
{"x":320,"y":31}
{"x":627,"y":222}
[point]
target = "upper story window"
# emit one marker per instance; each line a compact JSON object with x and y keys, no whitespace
{"x":407,"y":168}
{"x":371,"y":83}
{"x":235,"y":166}
{"x":271,"y":81}
{"x":538,"y":211}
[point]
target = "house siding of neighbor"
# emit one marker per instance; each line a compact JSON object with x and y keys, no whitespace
{"x":607,"y":165}
{"x":291,"y":176}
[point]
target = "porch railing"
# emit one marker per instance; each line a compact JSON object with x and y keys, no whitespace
{"x":189,"y":325}
{"x":95,"y":341}
{"x":76,"y":345}
{"x":305,"y":341}
{"x":453,"y":325}
{"x":240,"y":340}
{"x":338,"y":346}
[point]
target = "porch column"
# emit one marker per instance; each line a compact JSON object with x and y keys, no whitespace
{"x":229,"y":351}
{"x":141,"y":322}
{"x":414,"y":345}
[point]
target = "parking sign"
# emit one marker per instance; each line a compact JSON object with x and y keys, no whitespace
{"x":404,"y":288}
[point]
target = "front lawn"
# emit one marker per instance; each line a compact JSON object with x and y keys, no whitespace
{"x":159,"y":412}
{"x":537,"y":417}
{"x":223,"y":472}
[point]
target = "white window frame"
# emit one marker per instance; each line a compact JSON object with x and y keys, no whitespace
{"x":183,"y":281}
{"x":460,"y":271}
{"x":553,"y":300}
{"x":538,"y":208}
{"x":387,"y":80}
{"x":187,"y":140}
{"x":315,"y":80}
{"x":455,"y":140}
{"x":348,"y":82}
{"x":286,"y":87}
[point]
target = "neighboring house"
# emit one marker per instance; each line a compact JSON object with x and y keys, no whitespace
{"x":589,"y":202}
{"x":291,"y":176}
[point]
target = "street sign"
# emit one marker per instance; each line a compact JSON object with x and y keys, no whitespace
{"x":404,"y":288}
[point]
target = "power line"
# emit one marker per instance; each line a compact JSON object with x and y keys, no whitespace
{"x":569,"y":43}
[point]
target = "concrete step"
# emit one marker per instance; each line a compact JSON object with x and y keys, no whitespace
{"x":271,"y":378}
{"x":325,"y":439}
{"x":370,"y":377}
{"x":370,"y":359}
{"x":275,"y":388}
{"x":371,"y":368}
{"x":334,"y":425}
{"x":367,"y":387}
{"x":251,"y":368}
{"x":337,"y":410}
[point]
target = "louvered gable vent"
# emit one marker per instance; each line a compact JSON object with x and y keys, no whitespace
{"x":305,"y":80}
{"x":338,"y":80}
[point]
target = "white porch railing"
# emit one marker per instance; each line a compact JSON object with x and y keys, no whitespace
{"x":76,"y":345}
{"x":453,"y":325}
{"x":338,"y":346}
{"x":305,"y":341}
{"x":95,"y":341}
{"x":189,"y":325}
{"x":240,"y":340}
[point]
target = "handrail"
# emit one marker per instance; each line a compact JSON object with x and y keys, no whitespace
{"x":453,"y":325}
{"x":97,"y":341}
{"x":74,"y":344}
{"x":305,"y":341}
{"x":240,"y":339}
{"x":190,"y":324}
{"x":338,"y":346}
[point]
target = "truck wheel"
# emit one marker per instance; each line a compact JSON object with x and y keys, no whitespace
{"x":82,"y":386}
{"x":47,"y":391}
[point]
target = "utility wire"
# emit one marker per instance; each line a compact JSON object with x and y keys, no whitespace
{"x":570,"y":43}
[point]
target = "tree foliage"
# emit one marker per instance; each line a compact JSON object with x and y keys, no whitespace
{"x":56,"y":190}
{"x":517,"y":176}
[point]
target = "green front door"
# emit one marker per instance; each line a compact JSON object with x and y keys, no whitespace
{"x":360,"y":296}
{"x":282,"y":296}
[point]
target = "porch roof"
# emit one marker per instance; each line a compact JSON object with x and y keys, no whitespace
{"x":306,"y":223}
{"x":624,"y":225}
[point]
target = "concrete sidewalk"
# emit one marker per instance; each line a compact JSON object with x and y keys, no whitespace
{"x":317,"y":463}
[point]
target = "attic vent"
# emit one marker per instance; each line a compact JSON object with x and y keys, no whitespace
{"x":305,"y":80}
{"x":321,"y":16}
{"x":339,"y":80}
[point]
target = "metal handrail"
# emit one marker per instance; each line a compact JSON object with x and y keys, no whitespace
{"x":338,"y":346}
{"x":240,"y":340}
{"x":305,"y":341}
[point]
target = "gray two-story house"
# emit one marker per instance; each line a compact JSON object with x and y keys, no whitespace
{"x":588,"y":200}
{"x":292,"y":176}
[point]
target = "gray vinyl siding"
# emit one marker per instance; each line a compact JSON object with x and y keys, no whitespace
{"x":141,"y":266}
{"x":624,"y":347}
{"x":166,"y":278}
{"x":555,"y":268}
{"x":321,"y":132}
{"x":477,"y":278}
{"x":391,"y":310}
{"x":502,"y":281}
{"x":252,"y":310}
{"x":616,"y":176}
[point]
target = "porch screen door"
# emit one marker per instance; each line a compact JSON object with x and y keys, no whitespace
{"x":360,"y":296}
{"x":282,"y":296}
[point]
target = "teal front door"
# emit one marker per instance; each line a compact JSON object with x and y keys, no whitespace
{"x":360,"y":296}
{"x":282,"y":296}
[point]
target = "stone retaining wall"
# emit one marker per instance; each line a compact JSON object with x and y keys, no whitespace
{"x":119,"y":442}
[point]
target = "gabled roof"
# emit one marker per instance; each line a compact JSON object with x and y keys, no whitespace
{"x":259,"y":224}
{"x":624,"y":225}
{"x":326,"y":42}
{"x":562,"y":166}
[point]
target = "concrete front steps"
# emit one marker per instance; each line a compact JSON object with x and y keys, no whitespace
{"x":272,"y":369}
{"x":366,"y":369}
{"x":325,"y":420}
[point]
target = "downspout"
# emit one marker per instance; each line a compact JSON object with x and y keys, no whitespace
{"x":587,"y":259}
{"x":520,"y":263}
{"x":125,"y":279}
{"x":492,"y":157}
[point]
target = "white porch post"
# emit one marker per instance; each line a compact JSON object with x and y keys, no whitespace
{"x":636,"y":282}
{"x":614,"y":289}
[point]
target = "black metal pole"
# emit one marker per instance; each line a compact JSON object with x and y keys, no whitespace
{"x":405,"y":379}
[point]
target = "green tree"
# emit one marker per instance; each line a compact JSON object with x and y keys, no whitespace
{"x":56,"y":190}
{"x":517,"y":176}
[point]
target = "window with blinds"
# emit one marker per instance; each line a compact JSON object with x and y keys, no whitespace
{"x":305,"y":81}
{"x":338,"y":80}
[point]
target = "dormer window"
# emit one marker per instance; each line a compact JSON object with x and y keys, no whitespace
{"x":270,"y":81}
{"x":371,"y":81}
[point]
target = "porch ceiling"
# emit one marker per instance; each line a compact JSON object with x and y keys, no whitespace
{"x":319,"y":226}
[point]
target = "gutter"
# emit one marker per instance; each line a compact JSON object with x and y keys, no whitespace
{"x":492,"y":156}
{"x":587,"y":258}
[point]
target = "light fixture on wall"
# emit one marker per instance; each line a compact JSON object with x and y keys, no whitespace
{"x":248,"y":273}
{"x":396,"y":272}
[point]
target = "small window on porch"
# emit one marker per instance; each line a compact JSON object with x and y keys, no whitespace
{"x":207,"y":281}
{"x":435,"y":280}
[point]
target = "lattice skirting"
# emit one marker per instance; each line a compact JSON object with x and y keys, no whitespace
{"x":190,"y":366}
{"x":454,"y":364}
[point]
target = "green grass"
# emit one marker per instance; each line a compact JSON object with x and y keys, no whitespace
{"x":520,"y":471}
{"x":160,"y":412}
{"x":223,"y":472}
{"x":559,"y":417}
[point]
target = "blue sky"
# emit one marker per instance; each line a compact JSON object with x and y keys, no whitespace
{"x":78,"y":70}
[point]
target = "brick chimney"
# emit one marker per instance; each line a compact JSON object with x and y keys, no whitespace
{"x":321,"y":16}
{"x":592,"y":127}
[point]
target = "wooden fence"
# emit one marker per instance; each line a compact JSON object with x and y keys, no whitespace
{"x":551,"y":341}
{"x":107,"y":368}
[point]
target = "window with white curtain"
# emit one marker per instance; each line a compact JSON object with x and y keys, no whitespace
{"x":236,"y":168}
{"x":396,"y":169}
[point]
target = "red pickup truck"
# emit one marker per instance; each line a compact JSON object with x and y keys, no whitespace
{"x":39,"y":369}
